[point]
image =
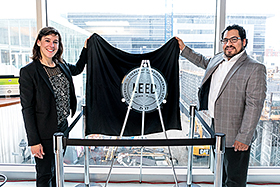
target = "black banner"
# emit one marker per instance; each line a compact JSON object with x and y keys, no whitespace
{"x":106,"y":68}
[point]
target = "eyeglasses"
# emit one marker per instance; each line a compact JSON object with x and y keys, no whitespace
{"x":232,"y":40}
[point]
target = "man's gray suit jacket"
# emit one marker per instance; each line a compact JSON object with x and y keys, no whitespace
{"x":240,"y":99}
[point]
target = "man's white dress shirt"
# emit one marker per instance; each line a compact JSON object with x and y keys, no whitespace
{"x":218,"y":79}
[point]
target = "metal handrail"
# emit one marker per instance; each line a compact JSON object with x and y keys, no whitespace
{"x":202,"y":121}
{"x":216,"y":139}
{"x":58,"y":149}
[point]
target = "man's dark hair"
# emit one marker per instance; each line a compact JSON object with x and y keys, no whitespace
{"x":241,"y":31}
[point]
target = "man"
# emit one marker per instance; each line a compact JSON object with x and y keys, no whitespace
{"x":233,"y":90}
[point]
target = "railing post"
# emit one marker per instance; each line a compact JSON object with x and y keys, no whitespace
{"x":190,"y":148}
{"x":211,"y":159}
{"x":86,"y":156}
{"x":58,"y":152}
{"x":86,"y":151}
{"x":219,"y":157}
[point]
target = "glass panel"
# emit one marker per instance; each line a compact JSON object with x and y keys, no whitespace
{"x":138,"y":27}
{"x":17,"y":31}
{"x":5,"y":57}
{"x":263,"y":44}
{"x":4,"y":31}
{"x":14,"y":30}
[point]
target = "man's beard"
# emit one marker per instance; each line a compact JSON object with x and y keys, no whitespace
{"x":232,"y":55}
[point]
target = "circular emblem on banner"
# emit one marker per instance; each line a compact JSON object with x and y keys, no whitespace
{"x":148,"y":90}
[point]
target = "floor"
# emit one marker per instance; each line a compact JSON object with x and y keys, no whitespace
{"x":74,"y":184}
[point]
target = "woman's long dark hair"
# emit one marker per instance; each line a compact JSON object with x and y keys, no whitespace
{"x":36,"y":49}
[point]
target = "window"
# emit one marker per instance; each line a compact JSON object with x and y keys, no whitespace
{"x":264,"y":46}
{"x":17,"y":30}
{"x":139,"y":27}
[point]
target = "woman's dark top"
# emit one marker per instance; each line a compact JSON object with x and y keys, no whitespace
{"x":61,"y":90}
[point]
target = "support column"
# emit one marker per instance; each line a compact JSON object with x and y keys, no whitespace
{"x":220,"y":22}
{"x":41,"y":14}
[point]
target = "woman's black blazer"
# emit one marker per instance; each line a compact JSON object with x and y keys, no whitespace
{"x":38,"y":101}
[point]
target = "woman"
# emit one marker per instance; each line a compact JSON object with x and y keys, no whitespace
{"x":47,"y":96}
